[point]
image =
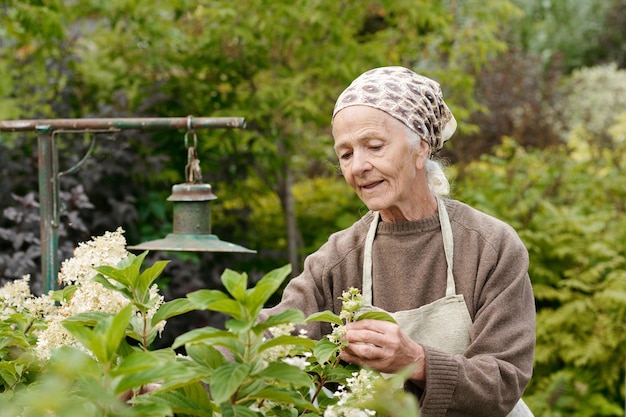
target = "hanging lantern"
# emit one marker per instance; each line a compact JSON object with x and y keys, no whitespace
{"x":192,"y":214}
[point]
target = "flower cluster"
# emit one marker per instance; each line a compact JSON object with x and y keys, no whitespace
{"x":89,"y":295}
{"x":352,"y":301}
{"x":15,"y":297}
{"x":359,"y":390}
{"x":282,"y":352}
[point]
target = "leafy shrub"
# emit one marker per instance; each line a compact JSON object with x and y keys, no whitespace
{"x":89,"y":354}
{"x":567,"y":203}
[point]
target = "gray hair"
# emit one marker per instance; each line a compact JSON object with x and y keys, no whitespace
{"x":435,"y":177}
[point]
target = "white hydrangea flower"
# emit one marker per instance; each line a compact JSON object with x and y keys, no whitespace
{"x":336,"y":336}
{"x":15,"y":297}
{"x":357,"y":390}
{"x":276,"y":353}
{"x":90,"y":296}
{"x":282,"y":329}
{"x":154,"y":293}
{"x":263,"y":407}
{"x":298,"y":361}
{"x":108,"y":249}
{"x":362,"y":383}
{"x":352,"y":300}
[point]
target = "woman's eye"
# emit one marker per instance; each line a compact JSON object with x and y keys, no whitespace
{"x":345,"y":155}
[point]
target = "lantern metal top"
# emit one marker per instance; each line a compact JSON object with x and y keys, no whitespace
{"x":192,"y":192}
{"x":175,"y":242}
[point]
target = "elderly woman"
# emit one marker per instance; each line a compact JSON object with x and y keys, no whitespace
{"x":455,"y":279}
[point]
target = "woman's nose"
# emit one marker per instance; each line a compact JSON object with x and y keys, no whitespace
{"x":360,"y":163}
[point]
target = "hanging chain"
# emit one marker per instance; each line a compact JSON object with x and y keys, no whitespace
{"x":193,"y":174}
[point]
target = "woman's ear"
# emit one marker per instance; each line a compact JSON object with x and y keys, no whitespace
{"x":422,"y":152}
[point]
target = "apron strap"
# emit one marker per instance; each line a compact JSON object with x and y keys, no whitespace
{"x":367,"y":261}
{"x":448,"y":245}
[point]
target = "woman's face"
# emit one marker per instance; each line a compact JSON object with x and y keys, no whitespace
{"x":379,"y":164}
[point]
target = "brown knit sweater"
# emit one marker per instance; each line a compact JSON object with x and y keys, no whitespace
{"x":409,"y":271}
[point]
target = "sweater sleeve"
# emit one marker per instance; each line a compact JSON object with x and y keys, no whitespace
{"x":490,"y":376}
{"x":325,"y":276}
{"x":310,"y":292}
{"x":301,"y":293}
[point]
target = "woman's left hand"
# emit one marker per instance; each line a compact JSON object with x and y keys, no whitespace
{"x":384,"y":347}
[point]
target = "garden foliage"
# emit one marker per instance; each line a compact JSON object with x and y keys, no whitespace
{"x":558,"y":177}
{"x":571,"y":215}
{"x":100,"y":362}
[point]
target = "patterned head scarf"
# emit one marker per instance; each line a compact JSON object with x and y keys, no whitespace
{"x":413,"y":99}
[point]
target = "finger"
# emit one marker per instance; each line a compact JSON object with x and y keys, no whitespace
{"x":357,"y":358}
{"x":378,"y":326}
{"x":367,"y":337}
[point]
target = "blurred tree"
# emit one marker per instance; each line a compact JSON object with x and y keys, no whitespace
{"x":273,"y":63}
{"x":612,"y":45}
{"x":582,"y":32}
{"x":520,"y":103}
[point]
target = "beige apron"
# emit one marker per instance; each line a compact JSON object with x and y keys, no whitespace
{"x":443,"y":324}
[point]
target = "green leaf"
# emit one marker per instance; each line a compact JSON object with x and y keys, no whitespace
{"x":339,"y":374}
{"x":230,"y":307}
{"x":324,"y":350}
{"x":144,"y":367}
{"x":280,"y":372}
{"x":90,"y":318}
{"x":115,"y":332}
{"x":105,"y":338}
{"x":126,"y":272}
{"x":266,"y":287}
{"x":8,"y":373}
{"x":88,"y":338}
{"x":205,"y":355}
{"x":215,"y":300}
{"x":172,"y":308}
{"x":288,"y":340}
{"x":230,"y":410}
{"x":72,"y":361}
{"x":202,"y":299}
{"x":284,"y":396}
{"x":208,"y":334}
{"x":238,"y":326}
{"x":164,"y":368}
{"x":325,"y":316}
{"x":374,"y":315}
{"x":191,"y":400}
{"x":226,"y":380}
{"x":151,"y":410}
{"x":100,"y":278}
{"x":235,"y":283}
{"x":284,"y":317}
{"x":64,"y":294}
{"x":113,"y":273}
{"x":149,"y":275}
{"x":125,"y":349}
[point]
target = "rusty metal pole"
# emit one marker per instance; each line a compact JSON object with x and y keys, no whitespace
{"x":114,"y":125}
{"x":48,"y":207}
{"x":49,"y":167}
